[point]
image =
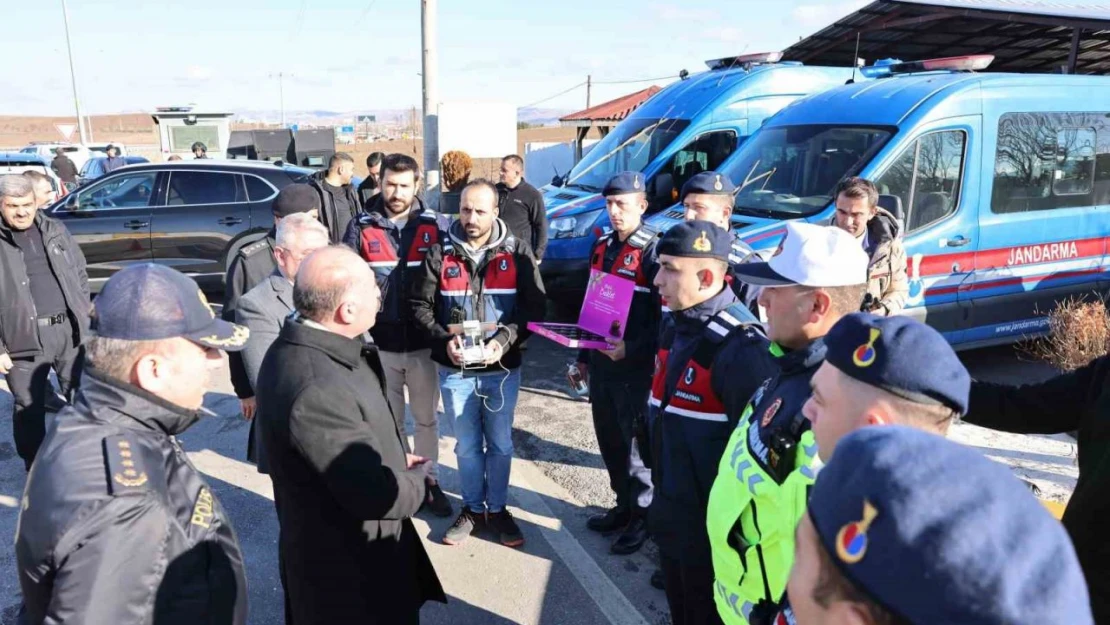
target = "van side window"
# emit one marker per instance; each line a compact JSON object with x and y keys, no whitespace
{"x":1051,"y":160}
{"x":927,"y":178}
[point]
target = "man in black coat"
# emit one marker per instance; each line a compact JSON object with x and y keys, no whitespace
{"x":339,"y":201}
{"x":337,"y":459}
{"x":44,"y":310}
{"x":522,"y":207}
{"x":63,"y":166}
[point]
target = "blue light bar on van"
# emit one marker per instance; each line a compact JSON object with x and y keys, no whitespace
{"x":890,"y":67}
{"x":746,"y":60}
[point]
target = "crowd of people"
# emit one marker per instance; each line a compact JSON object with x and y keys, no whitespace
{"x":769,"y":420}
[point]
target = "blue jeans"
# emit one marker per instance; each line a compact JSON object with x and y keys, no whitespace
{"x":481,"y":407}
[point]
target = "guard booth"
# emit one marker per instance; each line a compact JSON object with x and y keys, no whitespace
{"x":314,"y":147}
{"x":262,"y":145}
{"x":181,"y":126}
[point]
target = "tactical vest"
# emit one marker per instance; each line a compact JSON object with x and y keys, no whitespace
{"x":630,"y":261}
{"x":488,"y":295}
{"x":377,"y":248}
{"x":693,"y":396}
{"x":759,"y":496}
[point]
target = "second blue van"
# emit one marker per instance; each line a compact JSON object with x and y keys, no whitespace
{"x":1001,"y":181}
{"x":691,"y":126}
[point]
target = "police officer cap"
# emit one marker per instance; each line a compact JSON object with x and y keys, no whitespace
{"x":624,"y":182}
{"x":937,"y":533}
{"x":296,"y":198}
{"x":696,"y":239}
{"x":900,"y":356}
{"x":708,"y":183}
{"x":150,"y":302}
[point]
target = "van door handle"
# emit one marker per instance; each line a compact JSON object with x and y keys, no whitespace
{"x":229,"y":221}
{"x":958,"y":241}
{"x":136,"y":225}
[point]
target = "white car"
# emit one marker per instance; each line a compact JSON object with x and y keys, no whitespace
{"x":19,"y":162}
{"x":76,"y":153}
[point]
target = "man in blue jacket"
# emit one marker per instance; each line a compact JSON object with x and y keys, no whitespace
{"x":393,"y":236}
{"x":712,"y":356}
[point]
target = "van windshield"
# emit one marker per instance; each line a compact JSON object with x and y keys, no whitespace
{"x":629,"y":147}
{"x":792,"y":171}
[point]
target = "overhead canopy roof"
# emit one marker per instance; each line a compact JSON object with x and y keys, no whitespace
{"x":1038,"y":36}
{"x":612,"y":111}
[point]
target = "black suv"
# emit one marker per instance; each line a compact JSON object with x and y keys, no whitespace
{"x":193,"y":216}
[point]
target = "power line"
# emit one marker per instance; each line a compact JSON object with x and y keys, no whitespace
{"x":365,"y":12}
{"x":300,"y":20}
{"x":581,"y":84}
{"x":625,"y":82}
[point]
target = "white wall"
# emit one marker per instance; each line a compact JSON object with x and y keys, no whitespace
{"x":481,"y":129}
{"x":543,"y":158}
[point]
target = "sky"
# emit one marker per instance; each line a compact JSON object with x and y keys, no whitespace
{"x":350,"y":55}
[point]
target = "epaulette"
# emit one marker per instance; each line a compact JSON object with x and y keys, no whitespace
{"x":429,"y":215}
{"x":126,"y":473}
{"x":735,"y":317}
{"x":740,"y":252}
{"x":509,"y":244}
{"x":642,"y":237}
{"x":253,"y":248}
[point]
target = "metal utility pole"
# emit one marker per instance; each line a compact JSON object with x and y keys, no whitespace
{"x":73,"y":77}
{"x":589,"y":83}
{"x":430,"y":74}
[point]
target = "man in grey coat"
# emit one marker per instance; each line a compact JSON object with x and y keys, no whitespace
{"x":264,"y":308}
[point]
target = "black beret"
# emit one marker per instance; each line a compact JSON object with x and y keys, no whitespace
{"x":901,"y":356}
{"x":624,"y":182}
{"x":696,"y":239}
{"x":296,"y":198}
{"x":708,"y":183}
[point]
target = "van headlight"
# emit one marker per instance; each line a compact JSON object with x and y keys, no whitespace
{"x":574,"y":226}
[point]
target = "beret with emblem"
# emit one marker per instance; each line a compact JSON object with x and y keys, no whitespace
{"x":696,"y":239}
{"x":935,"y":532}
{"x":901,"y":356}
{"x":624,"y":182}
{"x":708,"y":183}
{"x":151,"y":302}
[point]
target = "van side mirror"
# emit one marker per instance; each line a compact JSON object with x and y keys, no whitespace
{"x":557,"y":181}
{"x":70,"y":186}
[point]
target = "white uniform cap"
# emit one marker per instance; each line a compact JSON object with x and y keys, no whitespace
{"x":810,"y":255}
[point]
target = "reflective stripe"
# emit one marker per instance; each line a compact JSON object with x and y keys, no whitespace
{"x":729,"y":319}
{"x":641,"y":289}
{"x":499,"y":292}
{"x":462,"y":293}
{"x":382,"y":263}
{"x":702,"y":416}
{"x":414,"y":263}
{"x":654,"y":402}
{"x":718,"y":328}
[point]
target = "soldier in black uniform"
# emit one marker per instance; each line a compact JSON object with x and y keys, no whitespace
{"x":115,"y":525}
{"x":620,"y":378}
{"x":253,"y":264}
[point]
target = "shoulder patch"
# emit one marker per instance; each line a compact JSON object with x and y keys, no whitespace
{"x":126,"y":473}
{"x":254,"y":248}
{"x":365,"y":219}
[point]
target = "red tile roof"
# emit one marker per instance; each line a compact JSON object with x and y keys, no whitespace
{"x":613,"y":110}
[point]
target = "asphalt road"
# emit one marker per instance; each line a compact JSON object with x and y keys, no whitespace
{"x":563,"y":574}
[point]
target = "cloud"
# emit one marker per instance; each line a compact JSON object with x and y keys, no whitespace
{"x":817,"y":15}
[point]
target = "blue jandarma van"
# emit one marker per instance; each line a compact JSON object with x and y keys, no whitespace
{"x":691,"y":126}
{"x":1002,"y":183}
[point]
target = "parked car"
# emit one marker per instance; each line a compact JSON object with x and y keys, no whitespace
{"x":19,"y":162}
{"x":691,"y":126}
{"x":193,"y":216}
{"x":94,"y":167}
{"x":76,"y":153}
{"x":1001,"y":183}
